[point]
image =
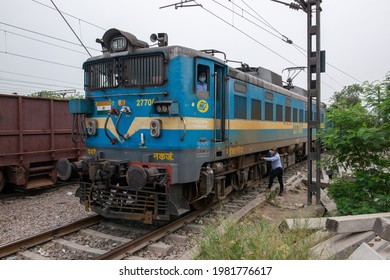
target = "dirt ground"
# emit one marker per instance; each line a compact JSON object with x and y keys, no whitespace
{"x":293,"y":204}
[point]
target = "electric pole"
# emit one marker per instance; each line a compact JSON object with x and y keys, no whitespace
{"x":315,"y":66}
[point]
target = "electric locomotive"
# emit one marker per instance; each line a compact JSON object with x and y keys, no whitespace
{"x":157,"y":146}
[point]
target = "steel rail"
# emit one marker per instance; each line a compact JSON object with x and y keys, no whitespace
{"x":25,"y":243}
{"x":130,"y":247}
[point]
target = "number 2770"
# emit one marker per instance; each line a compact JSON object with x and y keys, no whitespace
{"x":145,"y":102}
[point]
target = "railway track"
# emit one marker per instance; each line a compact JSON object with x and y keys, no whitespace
{"x":26,"y":243}
{"x":27,"y":247}
{"x":96,"y":238}
{"x":74,"y":241}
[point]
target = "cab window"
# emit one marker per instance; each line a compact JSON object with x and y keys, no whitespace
{"x":202,"y":78}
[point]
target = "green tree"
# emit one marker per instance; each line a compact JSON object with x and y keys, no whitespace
{"x":350,"y":95}
{"x":378,"y":98}
{"x":358,"y":138}
{"x":57,"y":95}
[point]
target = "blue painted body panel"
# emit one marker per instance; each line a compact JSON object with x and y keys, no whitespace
{"x":190,"y":134}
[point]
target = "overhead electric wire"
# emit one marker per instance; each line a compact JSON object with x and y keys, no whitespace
{"x":35,"y":83}
{"x":75,"y":34}
{"x":47,"y":36}
{"x":269,"y":25}
{"x":262,"y":19}
{"x":344,"y":72}
{"x":41,"y":41}
{"x":12,"y":89}
{"x":25,"y":86}
{"x":249,"y":36}
{"x":92,"y":24}
{"x":295,"y":45}
{"x":241,"y":31}
{"x":298,"y":48}
{"x":259,"y":18}
{"x":260,"y":42}
{"x":37,"y":77}
{"x":333,"y":79}
{"x":42,"y":60}
{"x":234,"y":12}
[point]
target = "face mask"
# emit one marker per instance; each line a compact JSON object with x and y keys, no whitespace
{"x":202,"y":79}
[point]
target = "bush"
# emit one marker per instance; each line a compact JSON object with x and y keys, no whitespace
{"x":358,"y":137}
{"x":253,"y":241}
{"x":368,"y":192}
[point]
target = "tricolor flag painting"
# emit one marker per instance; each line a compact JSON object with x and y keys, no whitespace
{"x":103,"y":107}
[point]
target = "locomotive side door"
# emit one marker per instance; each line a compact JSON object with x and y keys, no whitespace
{"x":219,"y":103}
{"x":214,"y":93}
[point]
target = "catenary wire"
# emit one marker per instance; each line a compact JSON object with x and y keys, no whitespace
{"x":45,"y":35}
{"x":295,"y":45}
{"x":35,"y":83}
{"x":71,"y":28}
{"x":37,"y":77}
{"x":246,"y":34}
{"x":262,"y":19}
{"x":300,"y":49}
{"x":247,"y":19}
{"x":41,"y":41}
{"x":27,"y":86}
{"x":4,"y":89}
{"x":39,"y":59}
{"x":92,"y":24}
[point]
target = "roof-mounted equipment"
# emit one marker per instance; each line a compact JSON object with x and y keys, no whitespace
{"x":162,"y":39}
{"x":115,"y":40}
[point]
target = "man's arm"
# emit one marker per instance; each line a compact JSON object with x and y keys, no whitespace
{"x":275,"y":157}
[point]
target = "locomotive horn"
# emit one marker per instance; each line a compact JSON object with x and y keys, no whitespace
{"x":153,"y":37}
{"x":162,"y":39}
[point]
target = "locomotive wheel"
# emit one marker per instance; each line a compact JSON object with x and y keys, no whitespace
{"x":199,"y":204}
{"x":195,"y":200}
{"x":2,"y":181}
{"x":203,"y":202}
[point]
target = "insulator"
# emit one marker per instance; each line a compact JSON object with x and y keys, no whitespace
{"x":295,"y":6}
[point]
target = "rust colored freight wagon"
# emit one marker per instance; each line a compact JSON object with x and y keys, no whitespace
{"x":34,"y":134}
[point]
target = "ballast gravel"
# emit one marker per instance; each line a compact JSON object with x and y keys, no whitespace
{"x":31,"y":214}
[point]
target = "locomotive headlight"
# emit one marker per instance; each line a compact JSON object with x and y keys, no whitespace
{"x":91,"y":127}
{"x":164,"y":108}
{"x":118,"y":44}
{"x":170,"y":107}
{"x":155,"y":128}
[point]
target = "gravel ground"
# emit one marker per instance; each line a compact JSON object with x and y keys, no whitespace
{"x":25,"y":216}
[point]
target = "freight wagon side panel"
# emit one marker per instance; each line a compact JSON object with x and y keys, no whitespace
{"x":35,"y":132}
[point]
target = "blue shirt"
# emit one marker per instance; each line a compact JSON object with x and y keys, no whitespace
{"x":275,"y":161}
{"x":201,"y":86}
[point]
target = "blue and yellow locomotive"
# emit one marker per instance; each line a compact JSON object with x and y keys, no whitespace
{"x":157,"y":145}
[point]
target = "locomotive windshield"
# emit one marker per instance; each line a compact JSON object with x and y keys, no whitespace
{"x":132,"y":71}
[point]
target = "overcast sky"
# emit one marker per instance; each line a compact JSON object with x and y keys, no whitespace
{"x":354,"y":33}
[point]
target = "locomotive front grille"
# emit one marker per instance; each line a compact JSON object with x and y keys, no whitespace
{"x":130,"y":205}
{"x":100,"y":75}
{"x":143,"y":70}
{"x":129,"y":71}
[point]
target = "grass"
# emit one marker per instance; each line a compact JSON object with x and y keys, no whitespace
{"x":253,"y":240}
